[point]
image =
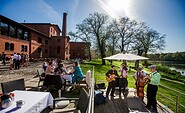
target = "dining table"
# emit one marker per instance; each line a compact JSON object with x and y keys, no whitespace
{"x":33,"y":102}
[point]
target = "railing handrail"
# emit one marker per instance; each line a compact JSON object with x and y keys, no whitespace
{"x":172,"y":89}
{"x":90,"y":108}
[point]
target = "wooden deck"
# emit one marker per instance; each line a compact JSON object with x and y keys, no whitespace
{"x":123,"y":104}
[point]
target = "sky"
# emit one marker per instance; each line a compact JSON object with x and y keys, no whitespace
{"x":165,"y":16}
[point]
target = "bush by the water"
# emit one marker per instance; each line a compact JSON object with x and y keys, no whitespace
{"x":170,"y":74}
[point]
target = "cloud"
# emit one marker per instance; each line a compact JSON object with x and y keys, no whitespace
{"x":49,"y":11}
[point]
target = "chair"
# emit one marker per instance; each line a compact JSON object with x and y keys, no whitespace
{"x":41,"y":78}
{"x":53,"y":80}
{"x":13,"y":85}
{"x":82,"y":103}
{"x":16,"y":85}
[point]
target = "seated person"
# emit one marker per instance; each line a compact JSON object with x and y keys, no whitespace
{"x":49,"y":69}
{"x":77,"y":73}
{"x":65,"y":75}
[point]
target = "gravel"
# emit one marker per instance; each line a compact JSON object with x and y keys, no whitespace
{"x":24,"y":72}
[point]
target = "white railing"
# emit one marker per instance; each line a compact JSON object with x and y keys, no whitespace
{"x":90,"y":108}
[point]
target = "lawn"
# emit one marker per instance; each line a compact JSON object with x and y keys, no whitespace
{"x":100,"y":70}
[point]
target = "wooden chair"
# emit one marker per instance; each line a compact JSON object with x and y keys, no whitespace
{"x":13,"y":85}
{"x":82,"y":103}
{"x":41,"y":78}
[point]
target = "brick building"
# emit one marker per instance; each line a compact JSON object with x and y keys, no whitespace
{"x":36,"y":39}
{"x":79,"y":50}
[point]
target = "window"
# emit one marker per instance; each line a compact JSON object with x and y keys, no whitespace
{"x":4,"y":29}
{"x":46,"y":50}
{"x":39,"y":50}
{"x":58,"y":40}
{"x":51,"y":29}
{"x":7,"y":46}
{"x":39,"y":40}
{"x":24,"y":48}
{"x":46,"y":42}
{"x":12,"y":31}
{"x":58,"y":49}
{"x":19,"y":34}
{"x":12,"y":47}
{"x":26,"y":37}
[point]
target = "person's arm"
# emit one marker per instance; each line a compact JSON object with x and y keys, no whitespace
{"x":108,"y":73}
{"x":144,"y":73}
{"x":120,"y":69}
{"x":116,"y":73}
{"x":72,"y":70}
{"x":134,"y":76}
{"x":155,"y":79}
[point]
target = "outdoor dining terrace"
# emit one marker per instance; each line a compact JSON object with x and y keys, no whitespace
{"x":35,"y":98}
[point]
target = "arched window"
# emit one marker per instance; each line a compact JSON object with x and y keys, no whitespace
{"x":7,"y":46}
{"x":12,"y":47}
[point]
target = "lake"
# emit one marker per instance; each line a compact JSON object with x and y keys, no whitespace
{"x":178,"y":66}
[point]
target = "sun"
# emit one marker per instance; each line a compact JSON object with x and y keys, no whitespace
{"x":116,"y":5}
{"x":120,"y":6}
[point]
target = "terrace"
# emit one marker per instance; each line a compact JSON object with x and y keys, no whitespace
{"x":125,"y":103}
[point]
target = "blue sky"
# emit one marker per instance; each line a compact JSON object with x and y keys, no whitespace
{"x":165,"y":16}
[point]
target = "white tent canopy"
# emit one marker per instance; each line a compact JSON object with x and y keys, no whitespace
{"x":121,"y":56}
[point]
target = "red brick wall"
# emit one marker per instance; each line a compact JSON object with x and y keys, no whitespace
{"x":35,"y":45}
{"x":39,"y":27}
{"x":17,"y":45}
{"x":48,"y":29}
{"x":79,"y":50}
{"x":64,"y":47}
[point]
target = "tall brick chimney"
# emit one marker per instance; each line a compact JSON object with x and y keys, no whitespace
{"x":64,"y":26}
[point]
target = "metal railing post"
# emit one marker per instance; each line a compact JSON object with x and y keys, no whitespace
{"x":177,"y":102}
{"x":92,"y":111}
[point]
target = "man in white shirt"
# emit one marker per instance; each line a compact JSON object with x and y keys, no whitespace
{"x":139,"y":78}
{"x":15,"y":57}
{"x":123,"y":83}
{"x":18,"y":60}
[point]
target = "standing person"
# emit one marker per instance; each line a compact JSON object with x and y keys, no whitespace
{"x":3,"y":58}
{"x":15,"y":57}
{"x":139,"y":78}
{"x":154,"y":81}
{"x":111,"y":85}
{"x":26,"y":60}
{"x":11,"y":61}
{"x":123,"y":83}
{"x":18,"y":60}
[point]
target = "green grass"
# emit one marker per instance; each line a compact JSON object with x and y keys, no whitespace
{"x":100,"y":70}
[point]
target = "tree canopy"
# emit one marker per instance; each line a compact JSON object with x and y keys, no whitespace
{"x":123,"y":35}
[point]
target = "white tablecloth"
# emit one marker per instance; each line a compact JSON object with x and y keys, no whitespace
{"x":35,"y":102}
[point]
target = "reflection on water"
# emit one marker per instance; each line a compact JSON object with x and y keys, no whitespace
{"x":178,"y":66}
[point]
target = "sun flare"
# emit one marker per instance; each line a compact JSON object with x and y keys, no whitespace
{"x":119,"y":6}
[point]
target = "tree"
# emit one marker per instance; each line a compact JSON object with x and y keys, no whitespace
{"x":125,"y":28}
{"x":82,"y":34}
{"x":95,"y":27}
{"x":147,"y":40}
{"x":113,"y":38}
